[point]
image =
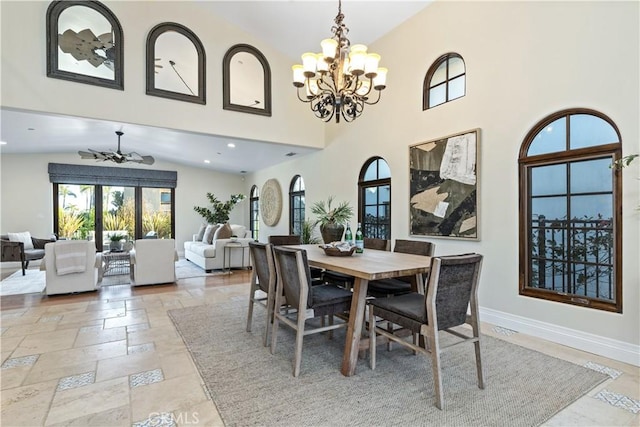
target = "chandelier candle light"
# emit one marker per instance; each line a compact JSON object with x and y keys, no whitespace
{"x":337,"y":82}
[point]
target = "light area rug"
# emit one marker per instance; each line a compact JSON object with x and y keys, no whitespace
{"x":252,"y":387}
{"x":32,"y":282}
{"x":186,"y":269}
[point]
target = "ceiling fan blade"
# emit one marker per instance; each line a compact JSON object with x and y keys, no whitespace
{"x":91,"y":154}
{"x":147,"y":160}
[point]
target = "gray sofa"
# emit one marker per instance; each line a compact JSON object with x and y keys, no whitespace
{"x":15,"y":251}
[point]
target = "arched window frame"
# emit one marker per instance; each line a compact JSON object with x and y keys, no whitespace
{"x":427,"y":86}
{"x":380,"y":228}
{"x":612,"y":151}
{"x":200,"y":95}
{"x":296,"y":205}
{"x":254,"y":212}
{"x":55,"y":9}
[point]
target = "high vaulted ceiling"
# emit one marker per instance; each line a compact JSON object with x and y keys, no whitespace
{"x":273,"y":21}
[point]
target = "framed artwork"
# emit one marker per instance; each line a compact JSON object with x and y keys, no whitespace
{"x":176,"y":64}
{"x":246,"y":81}
{"x":84,"y":44}
{"x":443,"y":188}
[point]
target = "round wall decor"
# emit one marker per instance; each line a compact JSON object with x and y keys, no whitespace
{"x":271,"y":202}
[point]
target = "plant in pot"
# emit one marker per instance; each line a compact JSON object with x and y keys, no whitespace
{"x":219,"y":211}
{"x":331,"y":219}
{"x":116,"y":242}
{"x":307,"y":237}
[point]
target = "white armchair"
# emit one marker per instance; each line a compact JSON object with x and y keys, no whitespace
{"x":71,"y":266}
{"x":154,"y":261}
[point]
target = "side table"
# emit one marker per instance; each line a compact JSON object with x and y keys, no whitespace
{"x":228,"y":249}
{"x":115,"y":263}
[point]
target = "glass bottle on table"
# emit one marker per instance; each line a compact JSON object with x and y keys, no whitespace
{"x":359,"y":239}
{"x":348,"y":235}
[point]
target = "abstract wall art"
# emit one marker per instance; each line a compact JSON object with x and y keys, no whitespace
{"x":443,"y":189}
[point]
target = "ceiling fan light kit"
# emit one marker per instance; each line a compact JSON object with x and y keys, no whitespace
{"x":116,"y":156}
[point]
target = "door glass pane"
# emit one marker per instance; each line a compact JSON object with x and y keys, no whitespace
{"x":456,"y":87}
{"x":591,"y":176}
{"x":118,"y":214}
{"x":371,"y":195}
{"x":592,"y":207}
{"x":156,"y":213}
{"x":588,"y":130}
{"x":384,"y":194}
{"x":77,"y":213}
{"x":548,"y":180}
{"x":550,"y":139}
{"x":552,"y":208}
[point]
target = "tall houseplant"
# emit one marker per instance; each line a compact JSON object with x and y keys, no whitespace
{"x":331,"y":220}
{"x":219,"y":211}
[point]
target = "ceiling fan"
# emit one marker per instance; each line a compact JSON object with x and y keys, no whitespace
{"x":117,"y":156}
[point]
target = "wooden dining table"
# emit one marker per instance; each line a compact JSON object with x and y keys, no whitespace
{"x":364,"y":267}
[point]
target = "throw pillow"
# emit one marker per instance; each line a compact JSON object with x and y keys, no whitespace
{"x":209,"y":232}
{"x":24,"y":237}
{"x":200,"y":233}
{"x":224,"y":232}
{"x":238,"y":230}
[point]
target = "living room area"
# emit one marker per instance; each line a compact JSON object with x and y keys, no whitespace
{"x":121,"y":342}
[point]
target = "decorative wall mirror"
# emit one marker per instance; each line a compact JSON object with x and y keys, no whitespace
{"x":246,"y":80}
{"x":84,"y":44}
{"x":176,"y":64}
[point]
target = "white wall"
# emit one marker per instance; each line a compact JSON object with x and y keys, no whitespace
{"x":525,"y":60}
{"x":26,"y":197}
{"x":26,"y":86}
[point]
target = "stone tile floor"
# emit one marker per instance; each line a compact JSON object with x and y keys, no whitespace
{"x":113,"y":358}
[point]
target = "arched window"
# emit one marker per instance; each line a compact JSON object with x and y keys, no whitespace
{"x":254,"y":212}
{"x":445,"y":81}
{"x":570,"y":211}
{"x":296,"y":205}
{"x":374,"y":198}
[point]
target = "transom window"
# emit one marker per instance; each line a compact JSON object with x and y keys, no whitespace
{"x":570,"y":211}
{"x":254,"y":212}
{"x":445,"y":81}
{"x":296,"y":205}
{"x":374,"y":198}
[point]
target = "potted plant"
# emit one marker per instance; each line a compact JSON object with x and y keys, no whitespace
{"x":116,"y":242}
{"x":331,"y":220}
{"x":307,"y":236}
{"x":219,"y":211}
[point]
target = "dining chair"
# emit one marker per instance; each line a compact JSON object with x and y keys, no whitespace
{"x":263,"y":279}
{"x":346,"y":280}
{"x":305,"y":301}
{"x":452,"y":291}
{"x":401,"y":285}
{"x":294,"y":239}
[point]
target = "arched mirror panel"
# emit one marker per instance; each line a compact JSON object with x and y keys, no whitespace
{"x":246,"y":81}
{"x":84,"y":44}
{"x":176,"y":64}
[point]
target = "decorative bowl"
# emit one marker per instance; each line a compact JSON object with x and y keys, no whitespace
{"x":337,"y":252}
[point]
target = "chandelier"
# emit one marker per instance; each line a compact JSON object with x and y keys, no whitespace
{"x":338,"y":81}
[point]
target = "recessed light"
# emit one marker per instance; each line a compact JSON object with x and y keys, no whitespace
{"x":207,"y":161}
{"x":31,"y":128}
{"x":231,"y":145}
{"x":3,"y":142}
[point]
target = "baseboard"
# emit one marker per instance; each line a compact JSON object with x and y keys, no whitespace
{"x":603,"y":346}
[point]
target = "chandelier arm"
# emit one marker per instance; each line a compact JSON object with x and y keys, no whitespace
{"x":366,"y":101}
{"x":300,"y":98}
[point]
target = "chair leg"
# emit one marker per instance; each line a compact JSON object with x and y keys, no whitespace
{"x":476,"y":345}
{"x":297,"y":361}
{"x":434,"y":345}
{"x":330,"y":324}
{"x":270,"y":316}
{"x":372,"y":339}
{"x":252,"y":294}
